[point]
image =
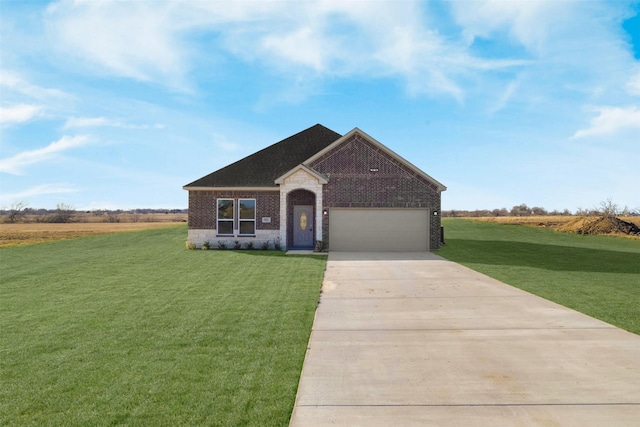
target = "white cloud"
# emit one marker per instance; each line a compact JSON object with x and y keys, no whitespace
{"x":611,"y":120}
{"x":224,"y":143}
{"x":131,"y":39}
{"x":505,"y":97}
{"x":39,"y":190}
{"x":14,"y":82}
{"x":633,"y":85}
{"x":150,"y":41}
{"x":77,"y":122}
{"x":83,"y":122}
{"x":287,"y":46}
{"x":14,"y":165}
{"x":530,"y":22}
{"x":19,"y":113}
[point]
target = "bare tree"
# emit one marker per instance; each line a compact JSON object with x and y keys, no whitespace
{"x":16,"y":210}
{"x":607,"y":208}
{"x":582,"y":212}
{"x":113,"y":216}
{"x":64,"y":213}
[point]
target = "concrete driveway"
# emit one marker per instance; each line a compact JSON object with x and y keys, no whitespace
{"x":413,"y":339}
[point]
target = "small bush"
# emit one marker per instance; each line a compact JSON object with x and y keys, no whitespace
{"x":190,"y":245}
{"x":249,"y":245}
{"x":206,"y":245}
{"x":113,"y":217}
{"x":222,"y":244}
{"x":265,"y":245}
{"x":237,"y":245}
{"x":321,"y":246}
{"x":277,"y":245}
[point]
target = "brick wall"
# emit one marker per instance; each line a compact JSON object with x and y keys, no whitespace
{"x":362,"y":175}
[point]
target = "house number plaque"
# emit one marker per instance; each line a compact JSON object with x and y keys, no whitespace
{"x":266,"y":220}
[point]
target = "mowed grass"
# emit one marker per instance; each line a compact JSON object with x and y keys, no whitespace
{"x":133,"y":329}
{"x":596,"y":275}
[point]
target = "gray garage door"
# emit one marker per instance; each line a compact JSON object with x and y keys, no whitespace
{"x":379,"y":230}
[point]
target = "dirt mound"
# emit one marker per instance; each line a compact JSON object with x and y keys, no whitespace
{"x":600,"y":225}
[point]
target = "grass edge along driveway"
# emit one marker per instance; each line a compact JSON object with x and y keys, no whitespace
{"x":133,"y":329}
{"x":596,"y":275}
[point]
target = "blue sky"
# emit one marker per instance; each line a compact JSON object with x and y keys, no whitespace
{"x":118,"y":104}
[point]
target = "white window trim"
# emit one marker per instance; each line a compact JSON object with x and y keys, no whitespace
{"x":232,"y":220}
{"x":255,"y":223}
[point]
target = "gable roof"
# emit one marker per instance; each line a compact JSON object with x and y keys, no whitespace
{"x":321,"y":178}
{"x":261,"y":169}
{"x":380,"y":146}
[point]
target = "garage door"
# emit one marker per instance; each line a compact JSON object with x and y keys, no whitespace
{"x":379,"y":230}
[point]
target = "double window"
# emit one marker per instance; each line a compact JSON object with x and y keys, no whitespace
{"x":243,"y":209}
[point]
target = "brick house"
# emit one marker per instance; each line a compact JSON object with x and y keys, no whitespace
{"x":349,"y":191}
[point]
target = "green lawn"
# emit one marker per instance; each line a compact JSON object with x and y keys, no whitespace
{"x":596,"y":275}
{"x":133,"y":329}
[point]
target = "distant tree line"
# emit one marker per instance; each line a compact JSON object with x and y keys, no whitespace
{"x":64,"y":213}
{"x":519,"y":210}
{"x":606,"y":208}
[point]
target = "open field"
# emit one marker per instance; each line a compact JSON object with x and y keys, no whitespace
{"x":596,"y":275}
{"x":533,"y":220}
{"x":133,"y":329}
{"x":28,"y":233}
{"x":548,"y":221}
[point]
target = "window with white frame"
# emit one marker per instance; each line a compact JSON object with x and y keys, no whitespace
{"x":225,"y":217}
{"x":247,"y":217}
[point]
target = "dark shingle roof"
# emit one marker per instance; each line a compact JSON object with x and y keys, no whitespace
{"x":262,"y":168}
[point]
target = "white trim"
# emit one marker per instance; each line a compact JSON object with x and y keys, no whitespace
{"x":255,"y":208}
{"x":379,"y":145}
{"x":186,"y":187}
{"x":319,"y":216}
{"x":321,"y":178}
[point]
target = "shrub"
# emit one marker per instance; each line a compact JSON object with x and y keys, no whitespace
{"x":222,"y":244}
{"x":265,"y":245}
{"x":321,"y":246}
{"x":113,"y":217}
{"x":190,"y":245}
{"x":249,"y":245}
{"x":206,"y":245}
{"x":277,"y":245}
{"x":237,"y":245}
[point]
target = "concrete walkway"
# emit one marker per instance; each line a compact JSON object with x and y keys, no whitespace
{"x":414,"y":339}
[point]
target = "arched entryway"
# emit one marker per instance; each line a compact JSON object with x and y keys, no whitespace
{"x":301,"y":214}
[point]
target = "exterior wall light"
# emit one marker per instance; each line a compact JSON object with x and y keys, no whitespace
{"x":325,"y":212}
{"x":435,"y":213}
